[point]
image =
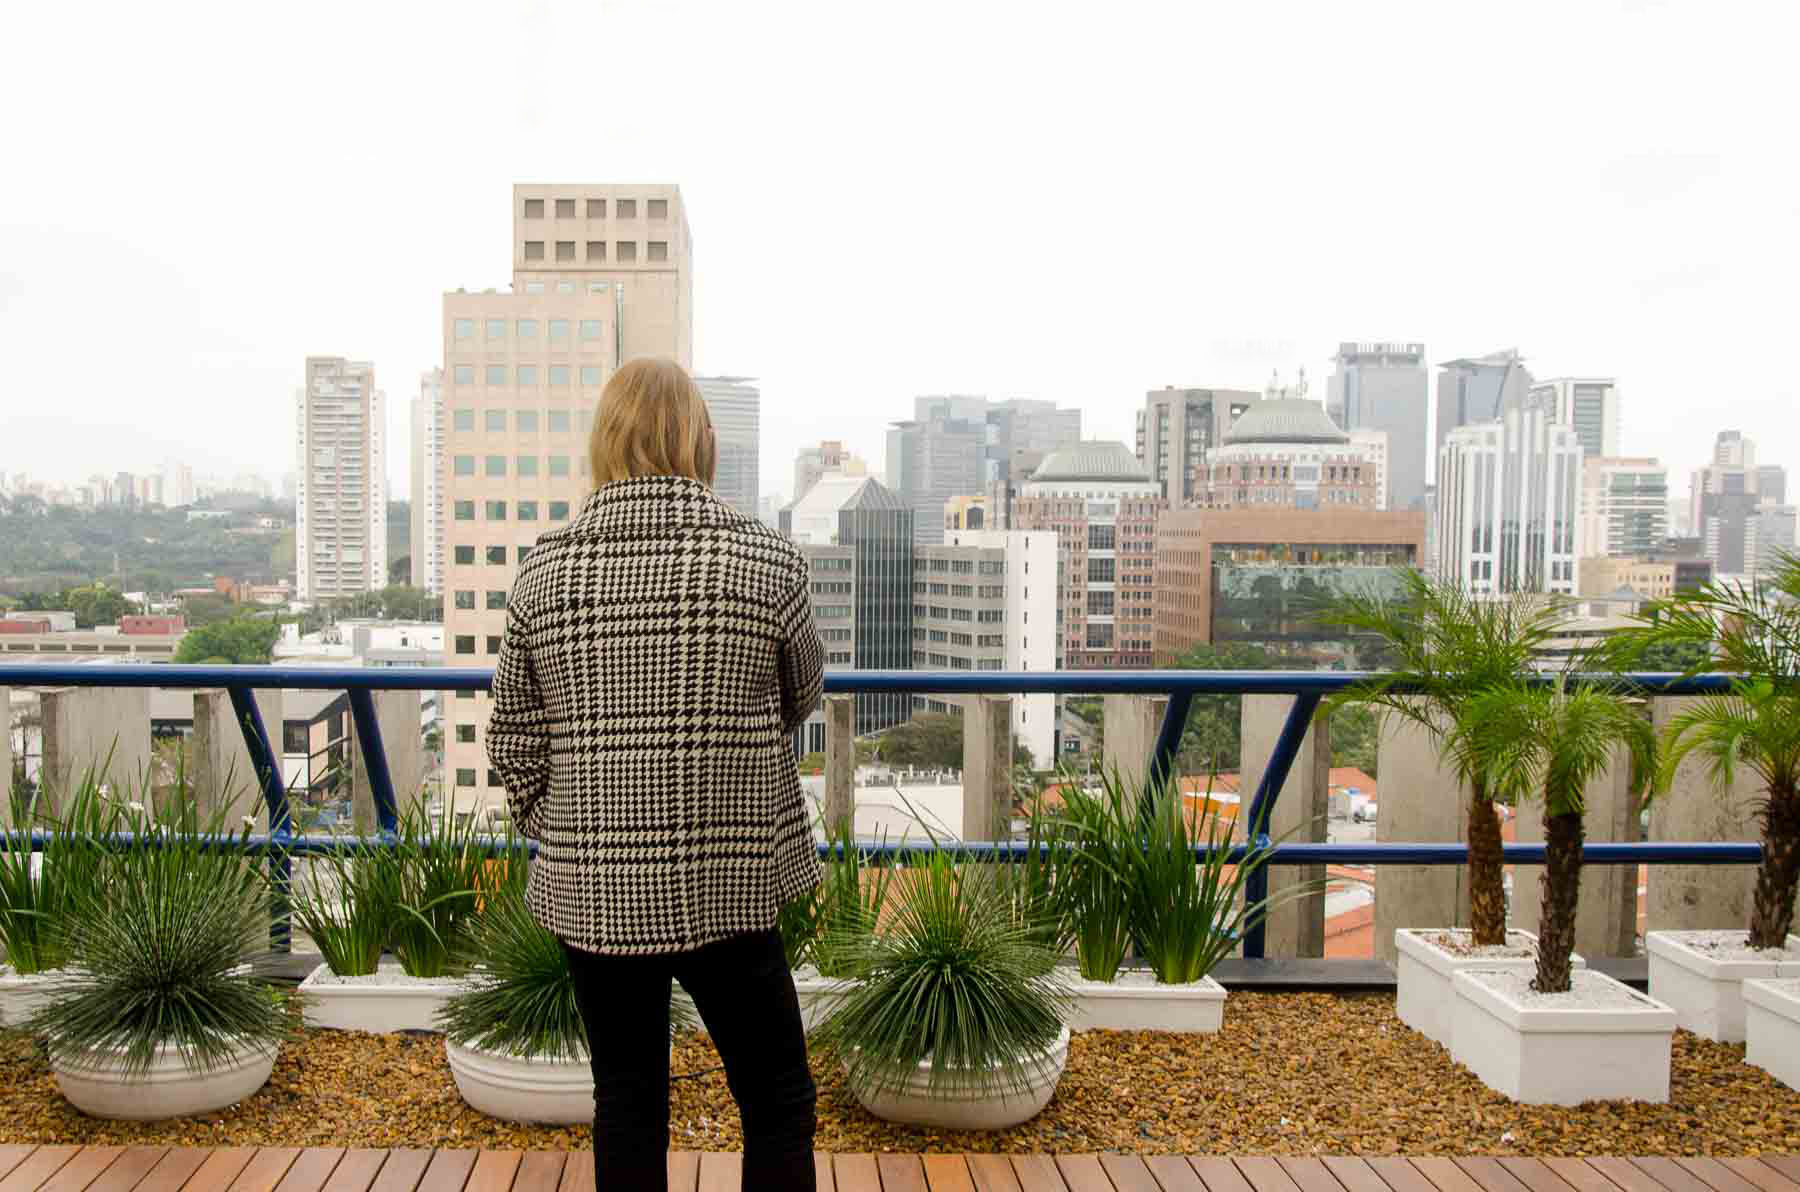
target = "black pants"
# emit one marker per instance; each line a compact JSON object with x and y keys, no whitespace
{"x":745,"y":995}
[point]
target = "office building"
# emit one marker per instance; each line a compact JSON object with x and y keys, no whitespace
{"x":1624,"y":505}
{"x":1768,"y":538}
{"x":1176,"y":432}
{"x":601,"y":274}
{"x":1374,"y":447}
{"x":957,"y":445}
{"x":1476,"y":389}
{"x":1723,"y":498}
{"x":1652,"y":576}
{"x":1590,"y":405}
{"x":1254,"y":576}
{"x":428,"y":431}
{"x":340,"y":500}
{"x":1102,"y":505}
{"x":1508,"y":493}
{"x":178,"y":484}
{"x":1771,"y":484}
{"x":735,"y":406}
{"x":1285,"y":453}
{"x":829,"y":456}
{"x":1383,"y":387}
{"x":971,"y":512}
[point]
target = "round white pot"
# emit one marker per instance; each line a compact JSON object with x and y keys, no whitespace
{"x":559,"y":1092}
{"x":958,"y":1103}
{"x":98,"y":1085}
{"x":24,"y":994}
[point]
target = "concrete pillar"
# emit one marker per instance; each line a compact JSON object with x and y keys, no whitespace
{"x":104,"y":731}
{"x":1298,"y":815}
{"x":840,"y":762}
{"x":397,"y":714}
{"x":1419,"y":801}
{"x":1129,"y":725}
{"x":1606,"y":917}
{"x":223,"y":776}
{"x":1696,"y":897}
{"x":987,"y":768}
{"x":6,"y":762}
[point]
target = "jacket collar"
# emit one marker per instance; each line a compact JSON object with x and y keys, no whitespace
{"x":643,"y":504}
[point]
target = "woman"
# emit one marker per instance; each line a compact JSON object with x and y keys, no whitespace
{"x":659,"y":653}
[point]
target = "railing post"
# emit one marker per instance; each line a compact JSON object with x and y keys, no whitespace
{"x":374,"y":760}
{"x":1699,"y":897}
{"x":6,"y":792}
{"x":1296,"y":811}
{"x":1281,"y":760}
{"x":987,"y":768}
{"x":840,"y":763}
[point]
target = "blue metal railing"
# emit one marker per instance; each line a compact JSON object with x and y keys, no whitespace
{"x":1181,"y":686}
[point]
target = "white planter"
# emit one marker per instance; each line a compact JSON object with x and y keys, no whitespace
{"x":819,"y":998}
{"x":99,"y":1086}
{"x":1136,"y":1001}
{"x":1601,"y":1041}
{"x":389,"y":1000}
{"x":961,"y":1104}
{"x":22,"y":995}
{"x":1425,"y":969}
{"x":1772,"y":1028}
{"x":1701,"y":974}
{"x":560,"y":1092}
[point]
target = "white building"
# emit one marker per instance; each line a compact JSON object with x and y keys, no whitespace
{"x":1374,"y":446}
{"x":1624,"y":506}
{"x":428,"y":430}
{"x":340,"y":502}
{"x":1590,"y":405}
{"x":1028,"y":600}
{"x":735,"y":406}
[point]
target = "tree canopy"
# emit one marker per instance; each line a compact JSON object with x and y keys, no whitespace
{"x":93,"y":604}
{"x":244,"y":639}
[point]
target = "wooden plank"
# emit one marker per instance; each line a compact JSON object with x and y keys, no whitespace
{"x":1579,"y":1175}
{"x":83,"y":1169}
{"x":1762,"y":1175}
{"x":822,"y":1176}
{"x":1354,"y":1174}
{"x":991,"y":1173}
{"x":448,"y":1170}
{"x":14,"y":1153}
{"x":541,"y":1171}
{"x":900,"y":1173}
{"x":402,"y":1171}
{"x":130,"y":1170}
{"x":493,"y":1171}
{"x":721,"y":1172}
{"x":1219,"y":1174}
{"x":173,"y":1170}
{"x":684,"y":1171}
{"x":1174,"y":1174}
{"x":1670,"y":1174}
{"x":578,"y":1173}
{"x":1622,"y":1173}
{"x":1129,"y":1174}
{"x":856,"y":1173}
{"x":265,"y":1169}
{"x":1265,"y":1174}
{"x":1399,"y":1174}
{"x":1037,"y":1173}
{"x":1445,"y":1175}
{"x":1786,"y":1165}
{"x":37,"y":1168}
{"x":1083,"y":1173}
{"x":1716,"y":1175}
{"x":1309,"y":1174}
{"x":1487,"y":1172}
{"x":1533,"y":1174}
{"x":220,"y":1169}
{"x":948,"y":1173}
{"x":356,"y":1171}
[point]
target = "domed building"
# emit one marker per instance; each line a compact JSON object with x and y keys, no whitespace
{"x":1100,"y":500}
{"x":1286,"y":453}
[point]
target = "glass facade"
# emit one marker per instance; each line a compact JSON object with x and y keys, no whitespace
{"x":1268,"y":594}
{"x":883,"y":541}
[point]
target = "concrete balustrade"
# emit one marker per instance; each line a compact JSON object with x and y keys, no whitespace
{"x":1419,"y":799}
{"x":1130,"y":724}
{"x":1298,"y":816}
{"x":6,"y":760}
{"x":100,"y":730}
{"x":1701,"y":897}
{"x":987,"y":768}
{"x":840,"y":762}
{"x":1606,"y":919}
{"x":397,"y":715}
{"x":222,"y":775}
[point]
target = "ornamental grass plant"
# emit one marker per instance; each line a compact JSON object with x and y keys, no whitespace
{"x":40,"y":893}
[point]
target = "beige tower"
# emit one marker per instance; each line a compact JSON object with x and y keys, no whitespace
{"x":601,"y":274}
{"x":340,"y":497}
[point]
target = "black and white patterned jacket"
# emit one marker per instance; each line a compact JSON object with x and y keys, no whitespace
{"x":659,"y":652}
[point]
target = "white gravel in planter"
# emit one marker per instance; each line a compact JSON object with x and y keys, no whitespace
{"x":1733,"y":946}
{"x":1702,"y":974}
{"x":1582,"y":994}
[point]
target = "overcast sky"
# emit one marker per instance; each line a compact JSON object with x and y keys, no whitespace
{"x":1074,"y":202}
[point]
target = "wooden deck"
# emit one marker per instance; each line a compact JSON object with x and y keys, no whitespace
{"x":289,"y":1169}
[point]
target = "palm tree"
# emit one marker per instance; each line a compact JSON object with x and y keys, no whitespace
{"x":1753,"y":634}
{"x":1552,"y":740}
{"x":1446,"y":648}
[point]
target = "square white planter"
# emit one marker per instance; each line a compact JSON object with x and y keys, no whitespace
{"x":1425,"y":969}
{"x":1136,"y":1001}
{"x":1702,"y":973}
{"x":389,"y":1000}
{"x":21,"y":996}
{"x":1601,"y":1041}
{"x":1772,"y":1028}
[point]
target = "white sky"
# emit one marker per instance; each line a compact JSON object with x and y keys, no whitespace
{"x":1075,"y":202}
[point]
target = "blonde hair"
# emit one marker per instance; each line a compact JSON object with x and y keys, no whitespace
{"x":652,"y":421}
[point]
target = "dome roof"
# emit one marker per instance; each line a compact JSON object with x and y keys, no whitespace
{"x":1285,"y":420}
{"x":1095,"y":460}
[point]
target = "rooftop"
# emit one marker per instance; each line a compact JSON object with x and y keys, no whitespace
{"x":1285,"y":420}
{"x":1096,"y":459}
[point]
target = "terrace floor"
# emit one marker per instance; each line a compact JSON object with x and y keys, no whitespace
{"x":294,"y":1169}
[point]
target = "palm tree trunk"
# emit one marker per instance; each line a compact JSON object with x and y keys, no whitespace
{"x":1772,"y":911}
{"x":1487,"y":879}
{"x":1563,"y":836}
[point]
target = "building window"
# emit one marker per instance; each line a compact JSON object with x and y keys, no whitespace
{"x":465,"y":643}
{"x":625,"y":208}
{"x":534,"y":209}
{"x":565,"y":250}
{"x":493,"y":780}
{"x":1100,"y":537}
{"x":526,"y":421}
{"x":528,"y":374}
{"x":590,"y":329}
{"x":626,"y":250}
{"x":496,"y":510}
{"x":523,"y":553}
{"x":526,"y":511}
{"x":534,"y":287}
{"x":496,"y":374}
{"x":559,"y":375}
{"x":463,"y":328}
{"x":528,"y":466}
{"x":559,"y":510}
{"x":463,"y":419}
{"x":559,"y":331}
{"x":596,"y":208}
{"x":590,"y":376}
{"x":559,"y":419}
{"x":465,"y":777}
{"x":496,"y":556}
{"x":465,"y":735}
{"x":462,"y":465}
{"x":495,"y":466}
{"x":657,"y":250}
{"x":493,"y":643}
{"x":1100,"y":571}
{"x":559,"y":465}
{"x":494,"y":420}
{"x":465,"y":555}
{"x":565,"y":208}
{"x":1100,"y":604}
{"x":527,"y":328}
{"x":596,"y":250}
{"x":534,"y":251}
{"x":465,"y":511}
{"x":496,"y":328}
{"x":465,"y":599}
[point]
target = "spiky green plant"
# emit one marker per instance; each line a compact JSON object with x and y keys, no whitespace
{"x":439,"y":865}
{"x":1446,"y":647}
{"x":348,"y":902}
{"x":1040,"y":880}
{"x":157,"y":952}
{"x":953,"y":977}
{"x":1101,"y":825}
{"x":38,"y":898}
{"x":848,"y":903}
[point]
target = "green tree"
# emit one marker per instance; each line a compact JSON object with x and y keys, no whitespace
{"x":931,"y":740}
{"x":207,"y":610}
{"x":400,"y":569}
{"x":244,"y":639}
{"x":1212,"y":738}
{"x":1355,"y":733}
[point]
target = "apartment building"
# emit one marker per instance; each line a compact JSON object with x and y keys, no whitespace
{"x":1178,"y":429}
{"x":601,"y":274}
{"x":340,"y":500}
{"x":1624,"y":505}
{"x":428,"y":431}
{"x":1647,"y":575}
{"x":735,"y":406}
{"x":1590,"y":405}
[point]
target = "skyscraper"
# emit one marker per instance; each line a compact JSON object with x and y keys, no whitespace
{"x":601,"y":274}
{"x":1624,"y":506}
{"x":340,"y":499}
{"x":1591,"y":406}
{"x":735,"y":406}
{"x":829,"y":456}
{"x":1476,"y":389}
{"x":1384,"y":387}
{"x":428,"y":429}
{"x":1177,"y":430}
{"x":956,"y":446}
{"x":1724,"y":496}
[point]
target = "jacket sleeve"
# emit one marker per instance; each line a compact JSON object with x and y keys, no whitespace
{"x":800,"y":664}
{"x":518,"y":732}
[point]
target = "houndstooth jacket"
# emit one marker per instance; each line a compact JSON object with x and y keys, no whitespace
{"x":659,"y":652}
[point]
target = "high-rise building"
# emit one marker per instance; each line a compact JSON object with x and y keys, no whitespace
{"x":735,"y":406}
{"x":1590,"y":405}
{"x":601,"y":274}
{"x":429,"y":427}
{"x":829,"y":456}
{"x":1476,"y":389}
{"x":1176,"y":432}
{"x":340,"y":499}
{"x":1723,"y":497}
{"x":178,"y":484}
{"x":1624,"y":505}
{"x":1101,"y":503}
{"x":1285,"y":453}
{"x":1768,"y":537}
{"x":1374,"y":446}
{"x":1508,"y":512}
{"x":1384,"y":387}
{"x":1771,"y":484}
{"x":956,"y":446}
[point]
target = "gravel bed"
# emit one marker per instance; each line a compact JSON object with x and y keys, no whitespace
{"x":1290,"y":1074}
